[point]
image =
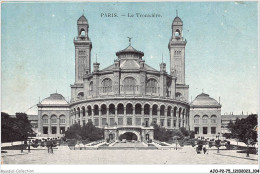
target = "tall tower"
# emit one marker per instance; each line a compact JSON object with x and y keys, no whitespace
{"x":176,"y":47}
{"x":83,"y":47}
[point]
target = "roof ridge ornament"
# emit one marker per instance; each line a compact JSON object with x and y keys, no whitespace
{"x":130,"y":40}
{"x":176,"y":13}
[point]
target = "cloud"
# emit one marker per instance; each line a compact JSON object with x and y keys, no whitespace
{"x":239,"y":2}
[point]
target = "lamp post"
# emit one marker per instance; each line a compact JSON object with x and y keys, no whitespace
{"x":22,"y":146}
{"x":218,"y":142}
{"x":247,"y":152}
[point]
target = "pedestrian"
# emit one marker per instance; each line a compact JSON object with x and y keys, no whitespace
{"x":47,"y":145}
{"x":204,"y":148}
{"x":207,"y":147}
{"x":197,"y":149}
{"x":29,"y":147}
{"x":51,"y":147}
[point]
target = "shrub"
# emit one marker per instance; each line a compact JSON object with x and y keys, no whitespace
{"x":181,"y":143}
{"x":72,"y":142}
{"x":184,"y":131}
{"x":192,"y":134}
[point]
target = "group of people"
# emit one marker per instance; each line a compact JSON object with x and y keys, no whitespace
{"x":202,"y":147}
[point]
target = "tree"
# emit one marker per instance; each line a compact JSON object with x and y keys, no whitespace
{"x":192,"y":134}
{"x":184,"y":131}
{"x":15,"y":128}
{"x":162,"y":134}
{"x":24,"y":125}
{"x":85,"y":132}
{"x":243,"y":129}
{"x":73,"y":132}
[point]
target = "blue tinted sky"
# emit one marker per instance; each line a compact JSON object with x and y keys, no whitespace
{"x":221,"y":52}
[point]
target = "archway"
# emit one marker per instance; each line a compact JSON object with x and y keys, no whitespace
{"x":128,"y":136}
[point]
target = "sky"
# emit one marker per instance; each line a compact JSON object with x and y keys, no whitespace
{"x":37,"y":50}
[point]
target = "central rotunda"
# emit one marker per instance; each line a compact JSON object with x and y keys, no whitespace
{"x":129,"y":95}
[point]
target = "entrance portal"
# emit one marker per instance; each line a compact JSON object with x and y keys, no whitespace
{"x":128,"y":136}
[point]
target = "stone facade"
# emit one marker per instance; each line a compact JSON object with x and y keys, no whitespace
{"x":129,"y":95}
{"x":53,"y":116}
{"x":205,"y":116}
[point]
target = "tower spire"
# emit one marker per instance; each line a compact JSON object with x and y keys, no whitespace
{"x":177,"y":13}
{"x":162,"y":57}
{"x":83,"y":12}
{"x":96,"y":57}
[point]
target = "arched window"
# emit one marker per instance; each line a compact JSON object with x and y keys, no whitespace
{"x":129,"y":109}
{"x":138,"y":108}
{"x":169,"y":111}
{"x":178,"y":94}
{"x":82,"y":32}
{"x":89,"y":110}
{"x":75,"y":112}
{"x":175,"y":111}
{"x":196,"y":119}
{"x":83,"y":111}
{"x":91,"y":86}
{"x":151,"y":86}
{"x":112,"y":109}
{"x":154,"y":110}
{"x":146,"y":109}
{"x":53,"y":119}
{"x":177,"y":33}
{"x":96,"y":112}
{"x":45,"y":119}
{"x":78,"y":112}
{"x":162,"y":109}
{"x":107,"y":85}
{"x":103,"y":109}
{"x":62,"y":119}
{"x":180,"y":112}
{"x":80,"y":95}
{"x":129,"y":84}
{"x":205,"y":119}
{"x":120,"y":108}
{"x":213,"y":119}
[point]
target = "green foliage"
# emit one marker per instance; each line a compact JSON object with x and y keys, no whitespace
{"x":217,"y":143}
{"x":243,"y":129}
{"x":184,"y":131}
{"x":73,"y":132}
{"x":164,"y":135}
{"x":227,"y":135}
{"x":15,"y":128}
{"x":72,"y":142}
{"x":181,"y":143}
{"x":86,"y":132}
{"x":192,"y":134}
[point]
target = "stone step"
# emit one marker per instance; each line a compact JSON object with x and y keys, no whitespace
{"x":127,"y":148}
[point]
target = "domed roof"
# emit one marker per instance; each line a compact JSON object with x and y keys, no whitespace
{"x":55,"y":98}
{"x":82,"y":20}
{"x":204,"y":100}
{"x":177,"y":19}
{"x":130,"y":49}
